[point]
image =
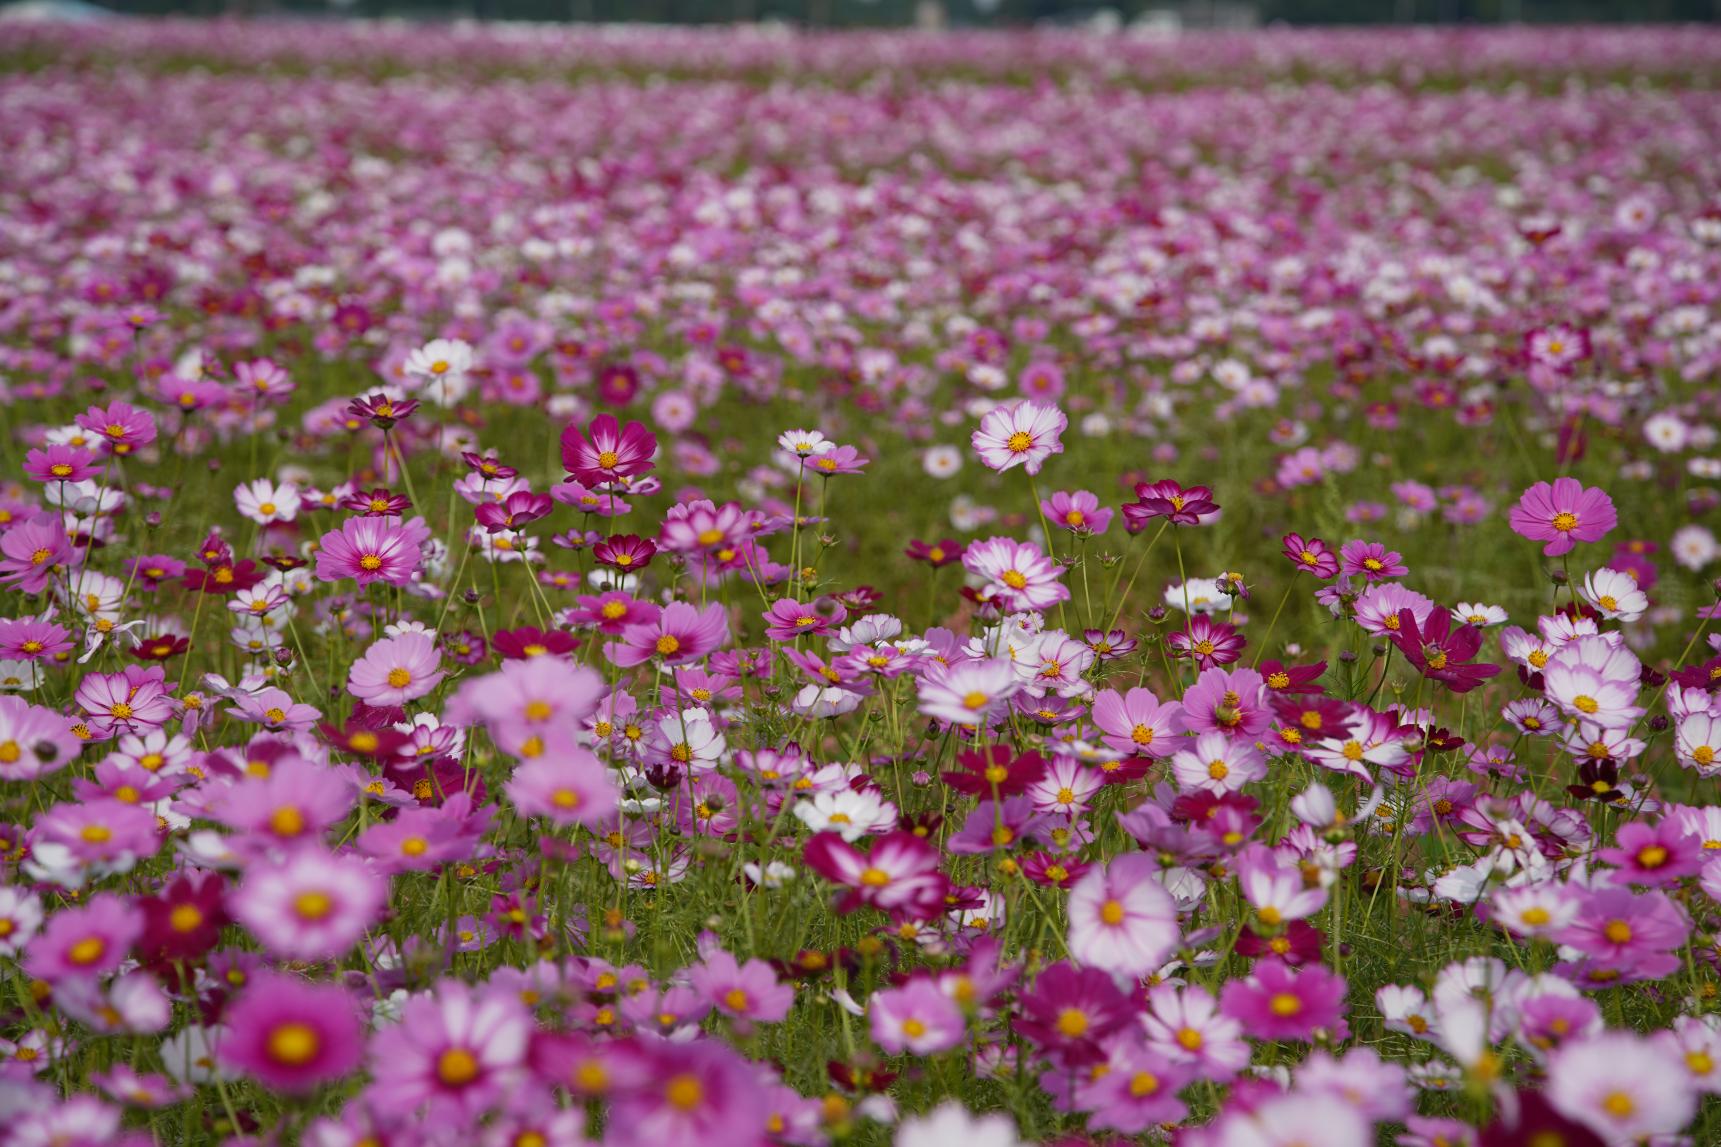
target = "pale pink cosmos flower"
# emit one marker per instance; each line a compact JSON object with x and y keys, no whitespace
{"x":1122,"y":920}
{"x":1023,"y":434}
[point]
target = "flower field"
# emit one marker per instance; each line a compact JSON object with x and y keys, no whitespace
{"x":746,"y":588}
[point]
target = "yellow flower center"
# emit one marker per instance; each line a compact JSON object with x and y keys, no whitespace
{"x":457,"y":1067}
{"x":293,"y":1044}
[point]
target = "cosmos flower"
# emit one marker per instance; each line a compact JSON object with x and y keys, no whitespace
{"x":1022,"y":434}
{"x":292,"y":1035}
{"x":454,"y":1053}
{"x":1563,"y":514}
{"x":371,"y":550}
{"x":396,"y":670}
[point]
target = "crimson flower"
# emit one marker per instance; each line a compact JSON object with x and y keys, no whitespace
{"x":382,"y":411}
{"x":1441,"y":653}
{"x":995,"y":772}
{"x":1168,"y":499}
{"x":625,"y":552}
{"x":944,"y":552}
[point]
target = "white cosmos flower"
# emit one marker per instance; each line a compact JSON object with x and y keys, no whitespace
{"x":1478,"y":614}
{"x":1615,"y":595}
{"x":805,"y":443}
{"x":846,"y":812}
{"x":263,"y":501}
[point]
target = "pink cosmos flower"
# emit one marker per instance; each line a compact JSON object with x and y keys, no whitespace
{"x":132,"y":700}
{"x":86,"y":941}
{"x":566,"y":786}
{"x":1079,"y":512}
{"x":680,"y":634}
{"x":1017,"y":574}
{"x":1371,"y":561}
{"x":1137,"y":722}
{"x":296,"y":801}
{"x":1623,"y":1087}
{"x":422,"y":839}
{"x":900,"y":874}
{"x":1137,"y":1091}
{"x":456,"y":1052}
{"x":32,"y":639}
{"x":968,"y":693}
{"x":526,"y":699}
{"x":611,"y":612}
{"x":1022,"y":434}
{"x":1276,"y":1003}
{"x":372,"y":549}
{"x":919,"y":1018}
{"x":33,"y":551}
{"x":1122,"y":920}
{"x":1185,"y":1025}
{"x":123,"y":427}
{"x":1275,"y":888}
{"x":611,"y":453}
{"x":311,"y":904}
{"x":291,"y":1035}
{"x":747,"y":993}
{"x":514,"y":512}
{"x":788,"y":619}
{"x":1229,"y":701}
{"x":396,"y":670}
{"x":837,"y":460}
{"x":701,"y":1092}
{"x":34,"y":741}
{"x":700,"y":526}
{"x":1206,"y":642}
{"x":1563,"y":514}
{"x":60,"y":463}
{"x":275,"y":710}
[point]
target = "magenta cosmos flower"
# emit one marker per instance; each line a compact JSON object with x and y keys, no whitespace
{"x":371,"y":550}
{"x":1023,"y":434}
{"x":1563,"y":514}
{"x":702,"y":1092}
{"x":900,"y":875}
{"x":60,"y":463}
{"x":396,"y":670}
{"x":1311,"y":556}
{"x":1277,"y":1003}
{"x":610,"y":453}
{"x":1122,"y":920}
{"x":122,"y":426}
{"x":455,"y":1053}
{"x":82,"y":942}
{"x":681,"y":633}
{"x":292,"y":1035}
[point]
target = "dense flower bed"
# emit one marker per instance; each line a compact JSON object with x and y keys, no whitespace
{"x":746,"y":589}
